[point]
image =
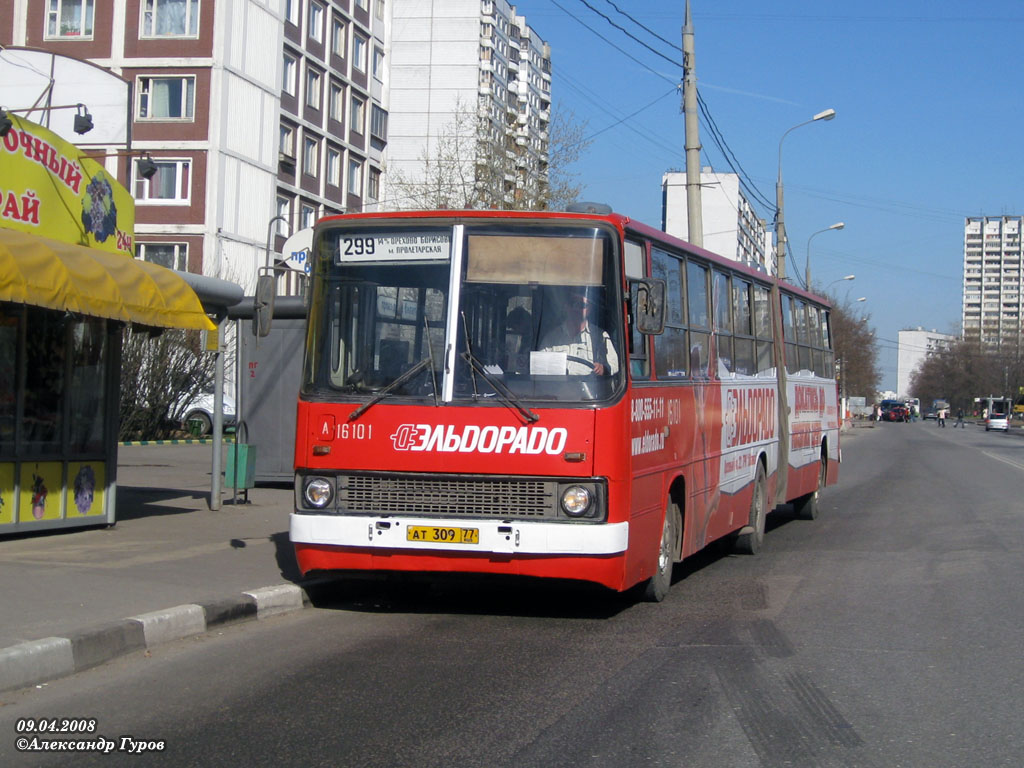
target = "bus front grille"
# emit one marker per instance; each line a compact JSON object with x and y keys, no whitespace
{"x":447,"y":497}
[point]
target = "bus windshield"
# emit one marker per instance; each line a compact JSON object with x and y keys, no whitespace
{"x":465,"y":313}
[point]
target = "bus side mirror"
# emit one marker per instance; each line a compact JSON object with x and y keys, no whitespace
{"x":647,"y":299}
{"x":263,"y":305}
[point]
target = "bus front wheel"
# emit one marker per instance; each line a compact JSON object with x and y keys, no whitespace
{"x":656,"y":588}
{"x":751,"y":536}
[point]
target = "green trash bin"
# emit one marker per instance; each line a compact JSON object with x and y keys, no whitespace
{"x":240,"y":471}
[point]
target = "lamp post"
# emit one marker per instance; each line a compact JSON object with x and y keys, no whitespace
{"x":780,"y":220}
{"x":807,"y":263}
{"x":841,"y":279}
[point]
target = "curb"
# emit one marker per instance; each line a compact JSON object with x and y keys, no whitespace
{"x":182,"y":441}
{"x":39,"y":661}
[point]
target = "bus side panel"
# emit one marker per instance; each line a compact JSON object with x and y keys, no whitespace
{"x":665,"y":437}
{"x":815,"y":418}
{"x":711,"y":436}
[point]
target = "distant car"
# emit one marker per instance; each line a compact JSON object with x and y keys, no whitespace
{"x":930,"y":413}
{"x":197,"y":416}
{"x":896,"y":413}
{"x":997,"y":421}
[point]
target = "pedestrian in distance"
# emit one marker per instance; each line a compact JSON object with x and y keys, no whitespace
{"x":959,"y":419}
{"x":940,"y":418}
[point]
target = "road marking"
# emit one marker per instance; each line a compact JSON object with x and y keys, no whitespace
{"x":1014,"y":464}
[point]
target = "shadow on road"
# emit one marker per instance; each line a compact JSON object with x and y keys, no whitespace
{"x":134,"y":503}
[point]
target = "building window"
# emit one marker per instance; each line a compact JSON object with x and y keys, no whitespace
{"x":378,"y":63}
{"x":338,"y":37}
{"x":355,"y":177}
{"x":288,"y":75}
{"x":336,"y":102}
{"x":310,"y":156}
{"x":70,"y":18}
{"x":287,"y":145}
{"x":378,"y":9}
{"x":170,"y":255}
{"x":334,"y":167}
{"x":170,"y":185}
{"x":307,"y":216}
{"x":316,"y":22}
{"x":359,"y":53}
{"x":373,"y":184}
{"x":358,"y":116}
{"x":166,"y":98}
{"x":170,"y":18}
{"x":291,"y":11}
{"x":312,"y":88}
{"x":361,"y":4}
{"x":378,"y":123}
{"x":284,"y":211}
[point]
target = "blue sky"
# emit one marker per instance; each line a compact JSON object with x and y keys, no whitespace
{"x":927,"y":132}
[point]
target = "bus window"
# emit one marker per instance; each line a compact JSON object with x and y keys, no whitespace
{"x":639,"y":360}
{"x":743,"y":342}
{"x":789,"y":329}
{"x":722,"y":303}
{"x":671,"y":354}
{"x":763,"y":330}
{"x":698,"y":314}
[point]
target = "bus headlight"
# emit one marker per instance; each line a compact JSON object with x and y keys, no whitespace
{"x":576,"y":500}
{"x":319,"y":492}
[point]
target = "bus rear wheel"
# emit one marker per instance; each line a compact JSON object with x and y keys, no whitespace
{"x":806,"y":507}
{"x":656,"y":588}
{"x":751,"y":536}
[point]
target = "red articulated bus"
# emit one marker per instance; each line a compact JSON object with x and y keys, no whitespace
{"x":564,"y":395}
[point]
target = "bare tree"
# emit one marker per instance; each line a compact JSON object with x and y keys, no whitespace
{"x":566,"y":145}
{"x":160,"y":375}
{"x":856,"y":349}
{"x":476,"y":162}
{"x":964,"y":371}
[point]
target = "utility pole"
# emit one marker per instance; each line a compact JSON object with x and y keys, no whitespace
{"x":694,"y":216}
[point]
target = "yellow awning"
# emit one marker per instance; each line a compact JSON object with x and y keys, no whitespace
{"x":49,"y":273}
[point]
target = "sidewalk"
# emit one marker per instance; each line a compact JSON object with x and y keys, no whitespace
{"x":177,"y":567}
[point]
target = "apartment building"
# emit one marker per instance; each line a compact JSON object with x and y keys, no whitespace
{"x":914,"y":346}
{"x":469,"y":105}
{"x":993,"y":281}
{"x":731,"y":227}
{"x":261,"y":115}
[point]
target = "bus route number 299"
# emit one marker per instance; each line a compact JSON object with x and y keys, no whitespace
{"x":357,"y":246}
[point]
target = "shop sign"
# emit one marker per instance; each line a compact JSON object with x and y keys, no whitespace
{"x":49,"y":187}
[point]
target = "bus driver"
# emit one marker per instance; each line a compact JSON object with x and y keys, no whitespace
{"x":588,"y":348}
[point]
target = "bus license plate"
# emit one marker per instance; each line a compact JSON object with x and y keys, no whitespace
{"x":439,"y":535}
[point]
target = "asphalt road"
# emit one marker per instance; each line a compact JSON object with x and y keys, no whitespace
{"x":886,"y":633}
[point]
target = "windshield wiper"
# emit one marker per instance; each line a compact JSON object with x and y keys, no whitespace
{"x":390,"y":388}
{"x":506,"y":395}
{"x":430,"y":357}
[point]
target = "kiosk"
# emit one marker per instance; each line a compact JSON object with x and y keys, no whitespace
{"x":69,"y":283}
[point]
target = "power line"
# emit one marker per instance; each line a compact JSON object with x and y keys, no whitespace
{"x":624,"y":119}
{"x":629,"y":56}
{"x":628,"y":34}
{"x":717,"y":136}
{"x":646,"y":29}
{"x":730,"y":157}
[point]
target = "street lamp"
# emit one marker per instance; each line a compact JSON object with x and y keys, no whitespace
{"x":780,"y":221}
{"x":807,"y":264}
{"x":841,"y":279}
